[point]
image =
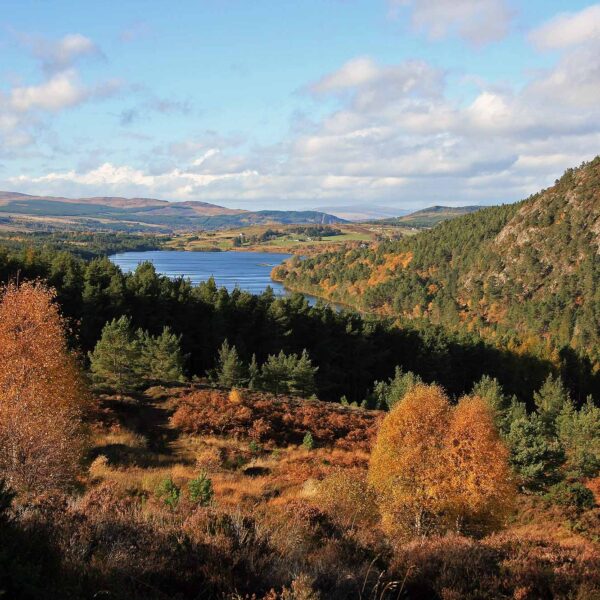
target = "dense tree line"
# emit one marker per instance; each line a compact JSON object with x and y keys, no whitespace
{"x":351,"y":351}
{"x":84,"y":244}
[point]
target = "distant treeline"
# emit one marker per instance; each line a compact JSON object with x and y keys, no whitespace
{"x":83,"y":244}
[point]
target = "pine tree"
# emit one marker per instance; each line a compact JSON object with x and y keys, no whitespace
{"x":161,"y":358}
{"x":292,"y":374}
{"x":491,"y":391}
{"x":533,"y":456}
{"x":115,"y":359}
{"x":579,"y":434}
{"x":276,"y":373}
{"x":303,"y":375}
{"x":550,"y":401}
{"x":386,"y":395}
{"x":230,"y":369}
{"x":253,"y":374}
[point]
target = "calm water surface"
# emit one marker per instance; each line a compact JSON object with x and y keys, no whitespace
{"x":250,"y":271}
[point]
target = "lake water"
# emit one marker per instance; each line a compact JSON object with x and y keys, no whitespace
{"x":250,"y":271}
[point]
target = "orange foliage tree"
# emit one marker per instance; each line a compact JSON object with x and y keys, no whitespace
{"x":478,"y":484}
{"x":435,"y":467}
{"x":405,"y":466}
{"x":41,"y":392}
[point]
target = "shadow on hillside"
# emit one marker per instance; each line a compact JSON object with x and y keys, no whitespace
{"x":146,"y":419}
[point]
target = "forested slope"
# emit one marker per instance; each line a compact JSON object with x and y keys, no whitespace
{"x":524,"y":275}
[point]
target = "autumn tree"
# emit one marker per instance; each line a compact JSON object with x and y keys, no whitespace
{"x":41,"y":392}
{"x":405,"y":466}
{"x":478,"y":478}
{"x":436,"y":468}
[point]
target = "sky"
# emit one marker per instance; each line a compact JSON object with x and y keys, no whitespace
{"x":297,"y":104}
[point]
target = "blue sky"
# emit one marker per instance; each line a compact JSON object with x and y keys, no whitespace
{"x":263,"y":104}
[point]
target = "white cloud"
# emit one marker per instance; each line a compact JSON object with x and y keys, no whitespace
{"x":60,"y":91}
{"x":24,"y":107}
{"x":477,"y":21}
{"x":396,"y":136}
{"x":569,"y":29}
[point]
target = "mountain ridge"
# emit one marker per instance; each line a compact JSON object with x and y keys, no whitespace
{"x":138,"y":214}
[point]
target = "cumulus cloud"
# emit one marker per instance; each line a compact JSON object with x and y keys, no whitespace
{"x":396,"y":135}
{"x":22,"y":106}
{"x":569,"y":29}
{"x":57,"y":55}
{"x":56,"y":93}
{"x":477,"y":21}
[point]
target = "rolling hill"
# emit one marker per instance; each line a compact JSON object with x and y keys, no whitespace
{"x":429,"y":217}
{"x":525,"y":275}
{"x":22,"y":211}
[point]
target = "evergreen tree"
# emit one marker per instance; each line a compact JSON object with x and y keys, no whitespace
{"x":491,"y":391}
{"x":532,"y":455}
{"x":115,"y":359}
{"x":550,"y":400}
{"x":161,"y":358}
{"x":230,"y":369}
{"x":282,"y":373}
{"x":303,"y":375}
{"x":276,"y":373}
{"x":253,"y":374}
{"x":386,"y":395}
{"x":579,"y":434}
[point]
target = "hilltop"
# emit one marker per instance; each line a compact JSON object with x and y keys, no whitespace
{"x":432,"y":216}
{"x":524,"y":275}
{"x":22,"y":211}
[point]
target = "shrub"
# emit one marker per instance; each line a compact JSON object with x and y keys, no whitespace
{"x":169,"y":492}
{"x":308,"y":441}
{"x":347,"y":498}
{"x":236,"y":396}
{"x":201,"y":490}
{"x":571,"y":495}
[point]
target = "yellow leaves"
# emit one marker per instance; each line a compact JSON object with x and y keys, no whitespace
{"x":434,"y":467}
{"x":236,"y":396}
{"x":478,"y":482}
{"x":41,"y":391}
{"x":385,"y":271}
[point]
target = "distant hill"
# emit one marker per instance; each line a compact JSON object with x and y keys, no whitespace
{"x":138,"y":214}
{"x":429,"y":217}
{"x":364,"y":212}
{"x":524,"y":276}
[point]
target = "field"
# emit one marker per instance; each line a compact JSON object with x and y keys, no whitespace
{"x":286,"y":238}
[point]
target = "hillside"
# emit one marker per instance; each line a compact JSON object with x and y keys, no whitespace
{"x":524,"y":275}
{"x":21,"y":211}
{"x":429,"y":217}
